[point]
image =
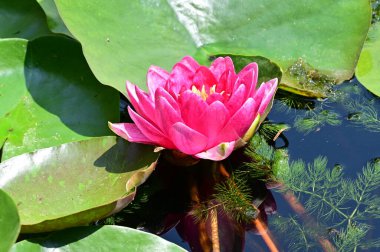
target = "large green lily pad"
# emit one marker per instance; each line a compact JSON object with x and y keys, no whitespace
{"x":22,"y":19}
{"x":121,"y":39}
{"x":49,"y":96}
{"x":104,"y":238}
{"x":9,"y":222}
{"x":368,"y":69}
{"x":75,"y":183}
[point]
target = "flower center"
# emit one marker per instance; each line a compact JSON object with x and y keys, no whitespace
{"x":203,"y":93}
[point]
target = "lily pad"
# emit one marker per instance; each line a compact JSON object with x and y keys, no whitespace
{"x":22,"y":19}
{"x":75,"y":183}
{"x":161,"y":32}
{"x":368,"y":69}
{"x":9,"y":222}
{"x":49,"y":96}
{"x":104,"y":238}
{"x":54,"y":21}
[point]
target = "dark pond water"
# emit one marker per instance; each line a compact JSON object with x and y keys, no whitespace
{"x":339,"y":202}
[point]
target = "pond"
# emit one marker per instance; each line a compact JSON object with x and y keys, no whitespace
{"x":190,"y":125}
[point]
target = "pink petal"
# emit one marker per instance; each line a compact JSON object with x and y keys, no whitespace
{"x":227,"y":82}
{"x":215,"y":97}
{"x":212,"y":122}
{"x":130,"y":132}
{"x":186,"y":139}
{"x":219,"y":152}
{"x":182,"y":74}
{"x":160,"y":92}
{"x":192,"y":107}
{"x":156,"y":77}
{"x":270,"y":89}
{"x":221,"y":65}
{"x":191,"y":63}
{"x":248,"y":75}
{"x":236,"y":100}
{"x":243,"y":118}
{"x":145,"y":105}
{"x":131,"y":91}
{"x":203,"y":76}
{"x":166,"y":114}
{"x":149,"y":130}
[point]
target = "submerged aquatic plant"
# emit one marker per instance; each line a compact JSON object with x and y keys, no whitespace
{"x":312,"y":120}
{"x":202,"y":112}
{"x":343,"y":203}
{"x":363,"y":113}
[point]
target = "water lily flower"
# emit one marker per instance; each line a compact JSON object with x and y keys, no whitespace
{"x":202,"y":112}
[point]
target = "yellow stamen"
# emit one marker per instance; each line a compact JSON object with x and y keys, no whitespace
{"x":202,"y":93}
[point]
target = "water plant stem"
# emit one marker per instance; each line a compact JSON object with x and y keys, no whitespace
{"x":214,"y":230}
{"x":301,"y":211}
{"x":263,"y":230}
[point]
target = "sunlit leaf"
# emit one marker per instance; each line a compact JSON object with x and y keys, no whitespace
{"x":368,"y":69}
{"x":121,"y":39}
{"x":75,"y":183}
{"x":49,"y":96}
{"x":9,"y":222}
{"x":104,"y":238}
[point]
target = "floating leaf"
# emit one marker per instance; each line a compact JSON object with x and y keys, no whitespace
{"x":160,"y":32}
{"x":49,"y":96}
{"x":104,"y":238}
{"x":368,"y":69}
{"x":54,"y":21}
{"x":9,"y":222}
{"x":22,"y":19}
{"x":75,"y":183}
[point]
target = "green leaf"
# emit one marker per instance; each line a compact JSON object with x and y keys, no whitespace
{"x":103,"y":238}
{"x":75,"y":183}
{"x":54,"y":21}
{"x":49,"y":96}
{"x":22,"y":19}
{"x":121,"y":39}
{"x":9,"y":222}
{"x":368,"y":69}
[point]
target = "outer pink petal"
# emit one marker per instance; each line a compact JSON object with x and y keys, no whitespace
{"x":243,"y":118}
{"x":192,"y":107}
{"x":268,"y":95}
{"x":221,"y":65}
{"x":156,"y":77}
{"x":130,"y":132}
{"x":149,"y":130}
{"x":186,"y":139}
{"x":160,"y":92}
{"x":203,"y":76}
{"x":131,"y":91}
{"x":212,"y":122}
{"x":166,"y":114}
{"x":219,"y":152}
{"x":145,"y":106}
{"x":237,"y":99}
{"x":248,"y":75}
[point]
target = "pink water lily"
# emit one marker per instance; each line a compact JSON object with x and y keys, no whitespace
{"x":200,"y":111}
